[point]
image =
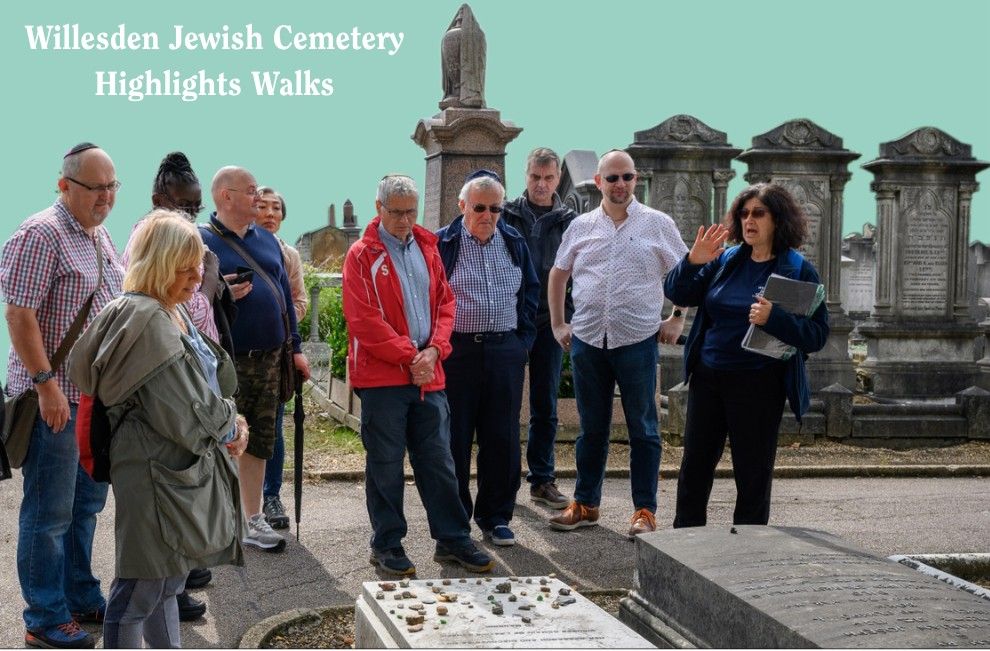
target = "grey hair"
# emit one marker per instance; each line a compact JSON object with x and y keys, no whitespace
{"x":542,"y":156}
{"x":396,"y":184}
{"x":72,"y":164}
{"x":481,"y":183}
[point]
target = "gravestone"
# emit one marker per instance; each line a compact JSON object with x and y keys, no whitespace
{"x":577,"y":187}
{"x":813,"y":165}
{"x":326,"y":247}
{"x":686,"y":167}
{"x":465,"y":135}
{"x":922,"y":339}
{"x":979,"y":279}
{"x":787,"y":587}
{"x":859,"y":275}
{"x":492,"y":613}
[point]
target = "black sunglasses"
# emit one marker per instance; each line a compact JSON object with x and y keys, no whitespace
{"x":628,"y":176}
{"x":480,"y":208}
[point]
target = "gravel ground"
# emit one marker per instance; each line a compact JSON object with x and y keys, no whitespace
{"x":336,"y":630}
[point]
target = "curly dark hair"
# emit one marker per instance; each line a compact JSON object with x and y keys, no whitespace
{"x":174,"y":170}
{"x":789,"y":221}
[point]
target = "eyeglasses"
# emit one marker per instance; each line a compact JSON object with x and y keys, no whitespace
{"x":249,"y":191}
{"x":480,"y":208}
{"x":109,"y":187}
{"x":189,"y":209}
{"x":627,"y":177}
{"x":757,"y":213}
{"x":409,"y":213}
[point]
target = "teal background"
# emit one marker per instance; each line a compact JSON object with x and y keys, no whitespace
{"x":574,"y":75}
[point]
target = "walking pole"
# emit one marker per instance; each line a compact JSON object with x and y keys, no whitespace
{"x":298,"y":416}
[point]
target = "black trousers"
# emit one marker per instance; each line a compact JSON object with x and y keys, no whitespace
{"x":484,"y":390}
{"x":746,"y":405}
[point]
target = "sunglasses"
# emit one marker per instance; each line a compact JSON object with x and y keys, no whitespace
{"x":480,"y":208}
{"x":757,"y":213}
{"x":627,"y":177}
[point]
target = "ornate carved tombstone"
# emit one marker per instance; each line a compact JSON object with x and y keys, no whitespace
{"x":922,"y":340}
{"x":686,"y":166}
{"x":465,"y":135}
{"x":812,"y":164}
{"x":577,"y":186}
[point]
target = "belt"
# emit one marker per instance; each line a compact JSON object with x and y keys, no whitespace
{"x":481,"y":337}
{"x":255,"y":353}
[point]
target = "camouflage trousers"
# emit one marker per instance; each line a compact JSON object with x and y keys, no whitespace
{"x":257,"y":398}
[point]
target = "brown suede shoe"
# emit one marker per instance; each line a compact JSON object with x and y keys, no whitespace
{"x":642,"y":521}
{"x":548,"y":494}
{"x":574,"y":516}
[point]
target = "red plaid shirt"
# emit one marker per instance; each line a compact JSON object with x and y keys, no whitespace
{"x":49,"y":265}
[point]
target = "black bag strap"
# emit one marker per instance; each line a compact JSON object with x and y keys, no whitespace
{"x":77,"y":324}
{"x":257,"y":270}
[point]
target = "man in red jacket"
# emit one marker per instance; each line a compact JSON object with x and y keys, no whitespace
{"x":400,"y":313}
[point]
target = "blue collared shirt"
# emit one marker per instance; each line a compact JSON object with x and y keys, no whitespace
{"x":485,"y":283}
{"x":414,"y":277}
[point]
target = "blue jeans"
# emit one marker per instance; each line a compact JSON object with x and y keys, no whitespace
{"x":274,"y":466}
{"x":57,"y":522}
{"x":392,"y":420}
{"x":596,"y":372}
{"x":544,"y":382}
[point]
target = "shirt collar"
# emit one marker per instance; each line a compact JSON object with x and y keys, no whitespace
{"x":389,"y":239}
{"x":220,"y":225}
{"x":67,"y":218}
{"x":476,"y":240}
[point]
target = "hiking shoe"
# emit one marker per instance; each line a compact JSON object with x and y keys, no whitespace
{"x":574,"y":516}
{"x":92,"y":616}
{"x":501,"y":535}
{"x":548,"y":494}
{"x":467,"y":557}
{"x":275,"y":512}
{"x":392,"y":561}
{"x":260,"y":535}
{"x":642,"y":521}
{"x":190,"y":609}
{"x":62,"y":636}
{"x":198,"y":578}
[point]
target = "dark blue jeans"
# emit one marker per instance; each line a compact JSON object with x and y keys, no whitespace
{"x":392,"y":420}
{"x":484,"y":389}
{"x":274,"y":466}
{"x":596,"y":372}
{"x":57,"y":522}
{"x":544,"y":381}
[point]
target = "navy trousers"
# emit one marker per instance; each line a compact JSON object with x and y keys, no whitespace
{"x":484,"y":388}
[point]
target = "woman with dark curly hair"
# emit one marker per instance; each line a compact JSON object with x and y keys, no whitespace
{"x":733,"y":391}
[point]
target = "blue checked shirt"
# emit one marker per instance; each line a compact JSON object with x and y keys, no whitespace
{"x":485,"y":283}
{"x":414,"y":278}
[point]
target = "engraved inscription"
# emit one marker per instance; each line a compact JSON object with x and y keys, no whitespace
{"x":812,"y":195}
{"x":924,"y":259}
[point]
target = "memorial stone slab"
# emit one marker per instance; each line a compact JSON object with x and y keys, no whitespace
{"x":577,"y":187}
{"x":859,"y":275}
{"x":754,"y":586}
{"x":490,"y":612}
{"x":922,"y":339}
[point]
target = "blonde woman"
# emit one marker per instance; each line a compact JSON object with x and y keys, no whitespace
{"x":167,"y":389}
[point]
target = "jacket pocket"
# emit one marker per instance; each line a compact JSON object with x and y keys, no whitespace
{"x":195,"y":511}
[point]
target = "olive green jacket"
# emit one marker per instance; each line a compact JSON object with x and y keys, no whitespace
{"x":175,"y":487}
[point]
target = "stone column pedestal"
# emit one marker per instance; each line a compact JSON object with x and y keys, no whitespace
{"x":458,"y":141}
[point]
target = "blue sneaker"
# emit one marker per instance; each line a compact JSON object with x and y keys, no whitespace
{"x":501,"y":535}
{"x":60,"y":636}
{"x":392,"y":561}
{"x":467,"y":557}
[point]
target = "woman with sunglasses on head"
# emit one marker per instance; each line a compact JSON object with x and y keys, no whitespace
{"x":733,"y":391}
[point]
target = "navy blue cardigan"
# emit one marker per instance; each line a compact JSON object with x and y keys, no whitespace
{"x":688,"y":284}
{"x":528,"y":295}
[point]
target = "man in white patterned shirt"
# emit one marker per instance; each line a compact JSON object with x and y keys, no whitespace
{"x":48,"y":268}
{"x":617,"y":256}
{"x":497,"y":290}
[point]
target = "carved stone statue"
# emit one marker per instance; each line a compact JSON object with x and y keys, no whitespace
{"x":462,"y":57}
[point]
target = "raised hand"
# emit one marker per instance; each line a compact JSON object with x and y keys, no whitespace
{"x":708,"y":244}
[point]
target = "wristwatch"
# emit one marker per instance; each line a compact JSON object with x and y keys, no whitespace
{"x":42,"y":376}
{"x":677,"y":313}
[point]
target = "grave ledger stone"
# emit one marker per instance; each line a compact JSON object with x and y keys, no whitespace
{"x":488,"y":613}
{"x":465,"y":135}
{"x":788,"y":587}
{"x":813,"y":165}
{"x":922,"y":341}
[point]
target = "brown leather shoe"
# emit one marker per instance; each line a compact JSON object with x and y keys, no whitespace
{"x":642,"y":521}
{"x":548,"y":494}
{"x":574,"y":516}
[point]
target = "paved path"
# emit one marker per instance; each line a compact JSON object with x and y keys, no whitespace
{"x":887,"y":516}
